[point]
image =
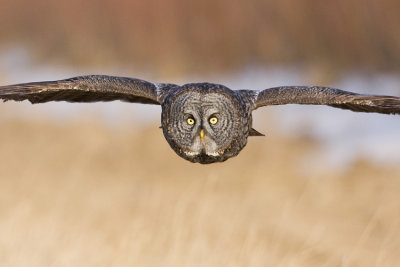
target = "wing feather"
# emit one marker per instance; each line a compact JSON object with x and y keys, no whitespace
{"x":316,"y":95}
{"x":92,"y":88}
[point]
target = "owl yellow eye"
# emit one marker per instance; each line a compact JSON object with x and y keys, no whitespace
{"x":190,"y":121}
{"x":213,"y":120}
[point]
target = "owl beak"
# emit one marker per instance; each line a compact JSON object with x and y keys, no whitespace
{"x":201,"y":135}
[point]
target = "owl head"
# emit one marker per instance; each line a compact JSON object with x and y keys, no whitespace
{"x":205,"y":122}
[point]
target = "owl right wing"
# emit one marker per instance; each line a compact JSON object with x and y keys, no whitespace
{"x":316,"y":95}
{"x":92,"y":88}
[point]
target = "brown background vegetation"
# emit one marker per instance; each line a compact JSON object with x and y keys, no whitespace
{"x":178,"y":36}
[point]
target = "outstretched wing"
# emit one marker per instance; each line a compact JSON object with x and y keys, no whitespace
{"x":315,"y":95}
{"x":90,"y":88}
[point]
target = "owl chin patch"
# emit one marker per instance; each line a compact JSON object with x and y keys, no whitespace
{"x":206,"y":159}
{"x":203,"y":157}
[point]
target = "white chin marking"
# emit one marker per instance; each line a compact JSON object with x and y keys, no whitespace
{"x":213,"y":154}
{"x":191,"y":153}
{"x":194,"y":153}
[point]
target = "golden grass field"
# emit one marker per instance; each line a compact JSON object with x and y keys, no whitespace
{"x":79,"y":193}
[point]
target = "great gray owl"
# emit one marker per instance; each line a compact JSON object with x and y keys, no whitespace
{"x":202,"y":122}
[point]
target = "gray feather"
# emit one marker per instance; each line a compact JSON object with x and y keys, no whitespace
{"x":315,"y":95}
{"x":91,"y":88}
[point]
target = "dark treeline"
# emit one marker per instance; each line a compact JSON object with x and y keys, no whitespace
{"x":207,"y":35}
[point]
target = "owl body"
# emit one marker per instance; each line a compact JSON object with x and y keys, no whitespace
{"x":205,"y":122}
{"x":202,"y":122}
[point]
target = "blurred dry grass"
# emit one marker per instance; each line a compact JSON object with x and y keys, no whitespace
{"x":178,"y":36}
{"x":82,"y":194}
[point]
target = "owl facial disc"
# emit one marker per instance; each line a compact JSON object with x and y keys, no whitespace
{"x":205,"y":123}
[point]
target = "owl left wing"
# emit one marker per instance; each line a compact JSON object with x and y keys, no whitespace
{"x":316,"y":95}
{"x":91,"y":88}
